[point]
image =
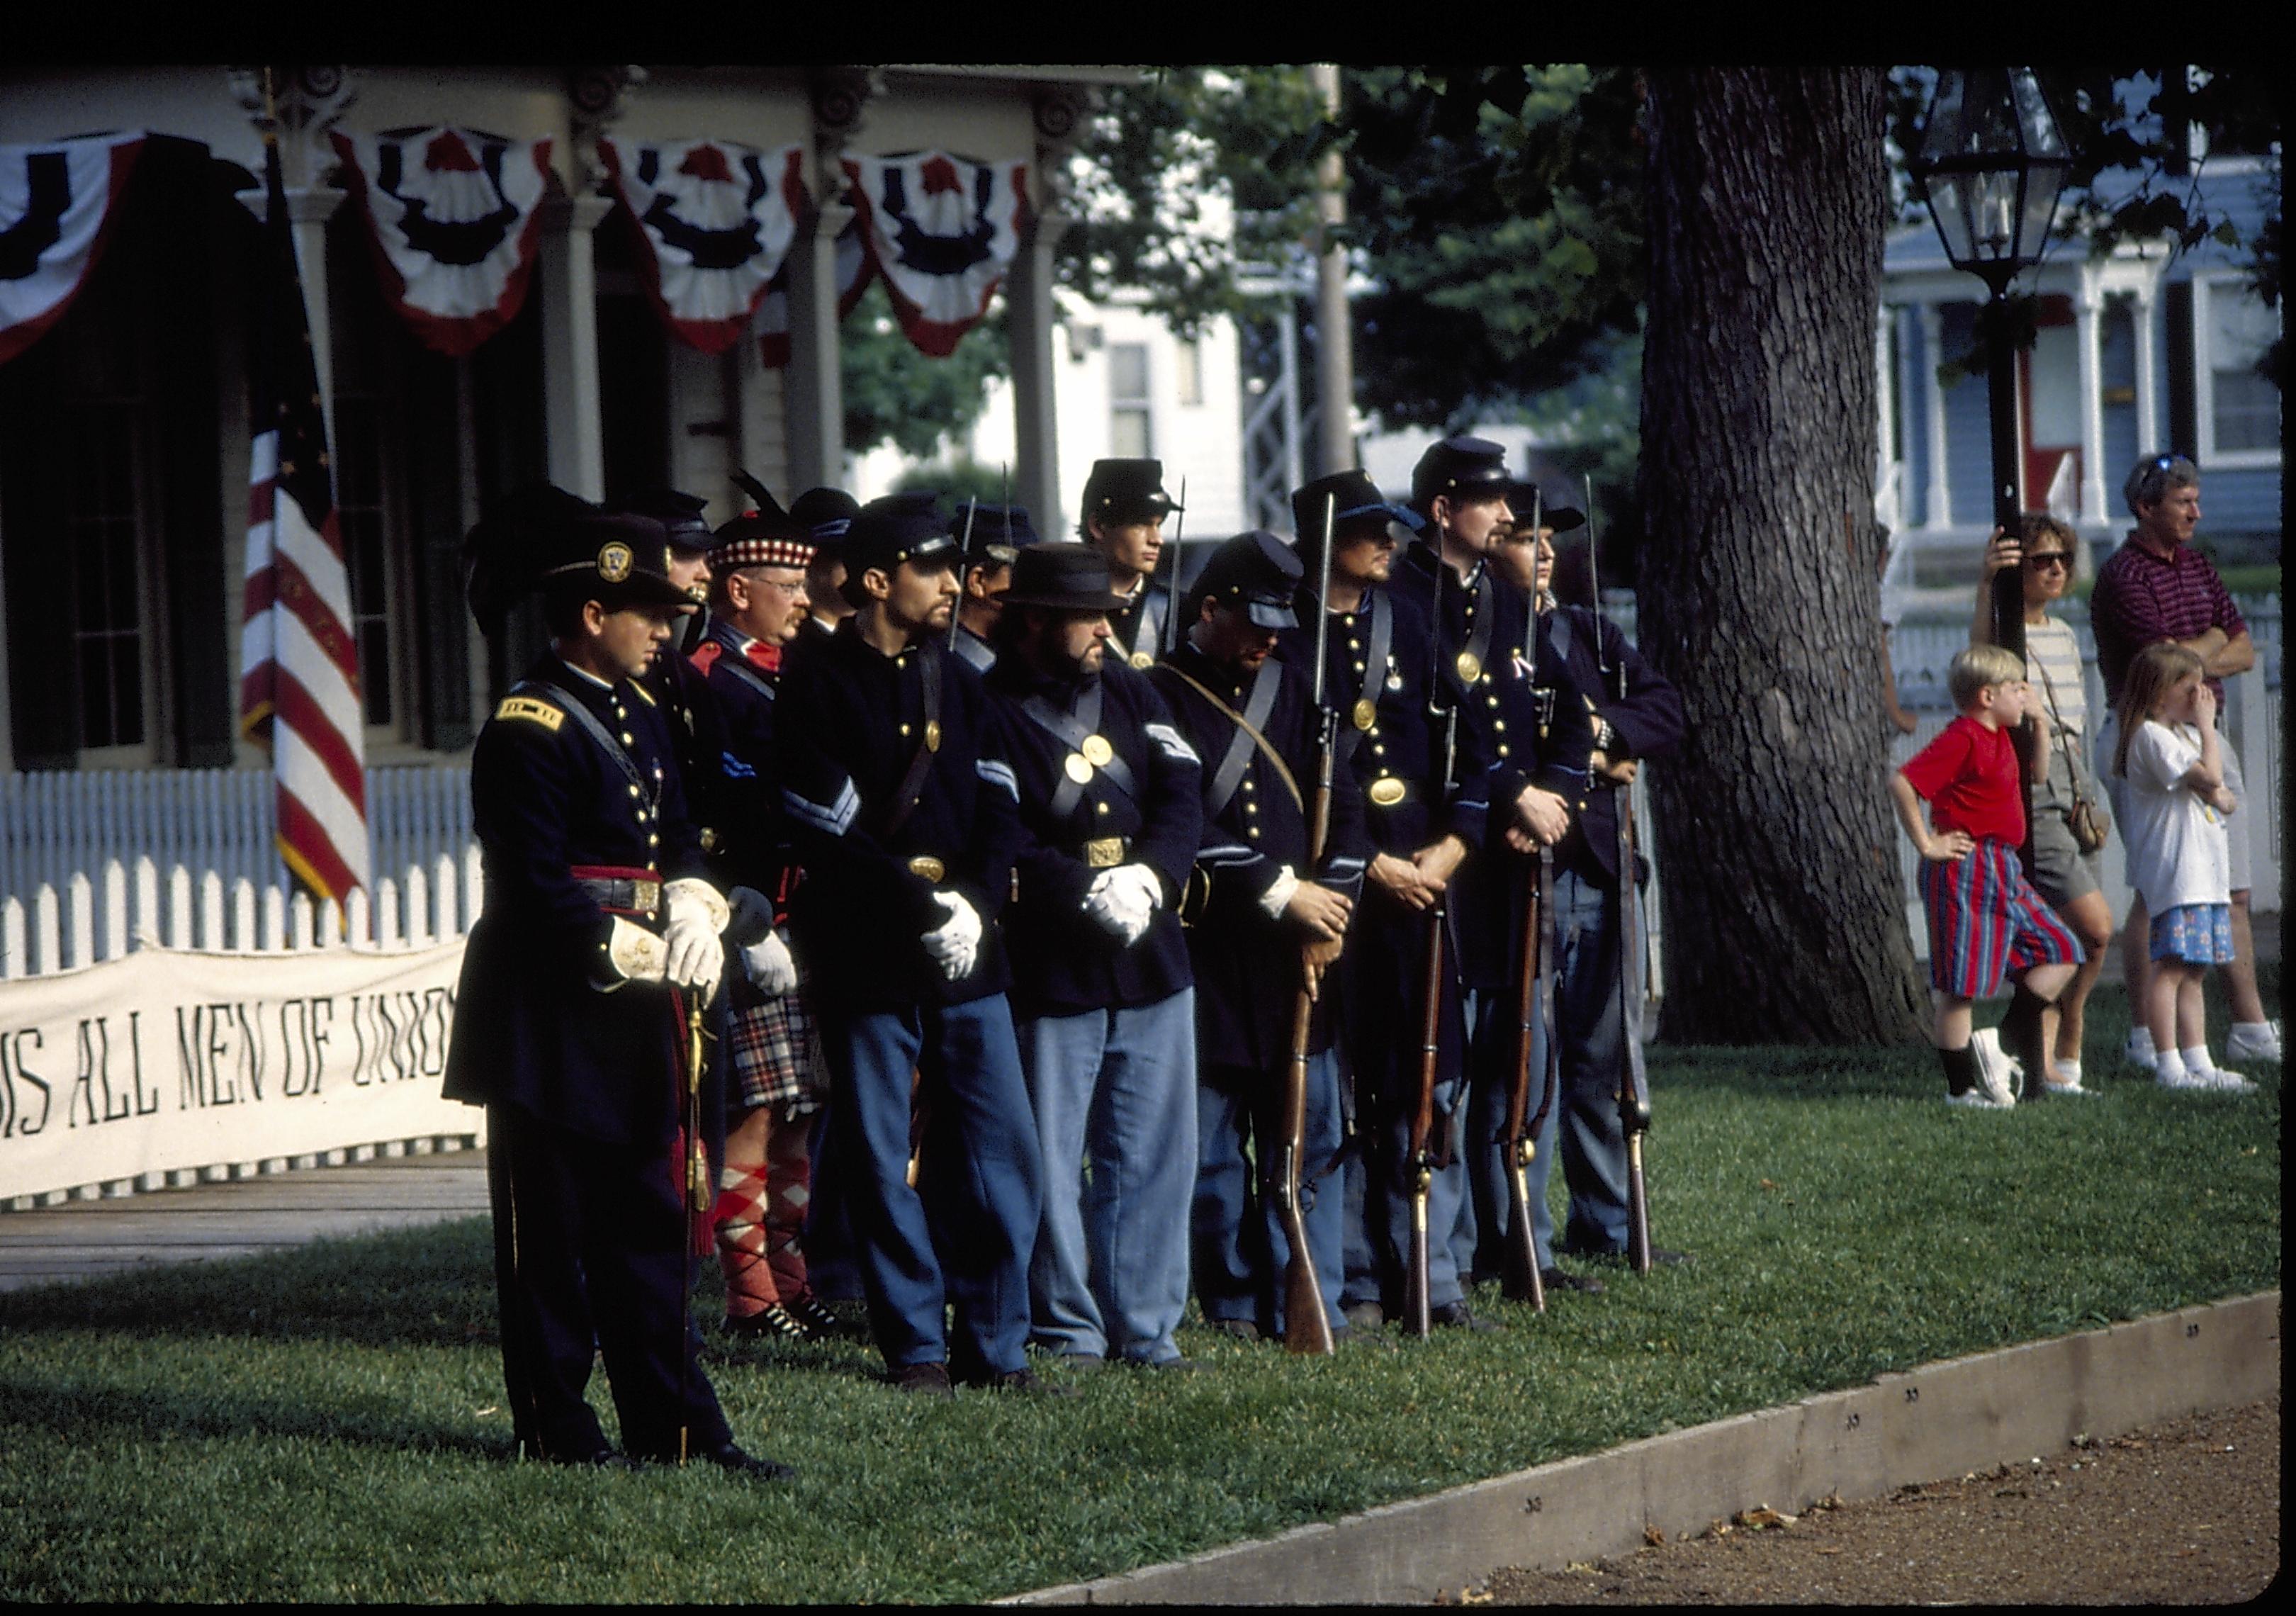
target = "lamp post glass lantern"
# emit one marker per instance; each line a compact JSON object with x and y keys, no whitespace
{"x":1990,"y":164}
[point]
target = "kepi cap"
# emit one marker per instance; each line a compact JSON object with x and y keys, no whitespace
{"x":999,"y":533}
{"x":1127,"y":490}
{"x":1353,"y":496}
{"x":1256,"y":572}
{"x":898,"y":528}
{"x":1475,"y":467}
{"x":679,"y":515}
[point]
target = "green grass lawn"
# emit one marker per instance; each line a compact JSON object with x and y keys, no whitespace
{"x":327,"y":1424}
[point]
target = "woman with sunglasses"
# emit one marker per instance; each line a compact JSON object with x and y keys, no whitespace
{"x":2067,"y":878}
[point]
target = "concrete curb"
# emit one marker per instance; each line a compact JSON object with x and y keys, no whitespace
{"x":1936,"y":1421}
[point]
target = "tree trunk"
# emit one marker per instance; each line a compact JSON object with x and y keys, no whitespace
{"x":1785,"y":913}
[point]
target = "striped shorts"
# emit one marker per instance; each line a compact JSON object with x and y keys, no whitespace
{"x":1987,"y":924}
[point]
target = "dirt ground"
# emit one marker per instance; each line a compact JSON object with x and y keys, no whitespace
{"x":2181,"y":1514}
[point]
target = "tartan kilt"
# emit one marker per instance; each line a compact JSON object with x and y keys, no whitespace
{"x":776,"y":1053}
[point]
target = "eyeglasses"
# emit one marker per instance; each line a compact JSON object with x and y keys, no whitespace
{"x":2051,"y":558}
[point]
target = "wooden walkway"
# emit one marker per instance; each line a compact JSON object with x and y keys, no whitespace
{"x":240,"y":1218}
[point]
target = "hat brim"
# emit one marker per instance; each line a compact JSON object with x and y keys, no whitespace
{"x":1083,"y":601}
{"x":640,"y":589}
{"x":1269,"y":614}
{"x":1563,"y":519}
{"x":1385,"y":511}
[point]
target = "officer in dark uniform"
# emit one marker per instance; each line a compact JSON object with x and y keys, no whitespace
{"x":1460,"y":488}
{"x":1268,"y":924}
{"x":998,"y":535}
{"x":672,"y":679}
{"x":1125,"y":505}
{"x":903,"y":809}
{"x":827,"y":513}
{"x":1426,"y":813}
{"x":1636,"y":714}
{"x":1102,"y":1001}
{"x":598,"y":929}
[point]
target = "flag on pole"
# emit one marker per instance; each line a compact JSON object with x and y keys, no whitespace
{"x":299,"y":666}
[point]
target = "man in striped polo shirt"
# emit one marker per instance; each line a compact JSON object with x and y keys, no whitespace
{"x":2155,"y":587}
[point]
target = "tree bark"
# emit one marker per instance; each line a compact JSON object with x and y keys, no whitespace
{"x":1785,"y":913}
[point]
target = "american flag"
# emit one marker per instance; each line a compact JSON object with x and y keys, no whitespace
{"x":299,"y":668}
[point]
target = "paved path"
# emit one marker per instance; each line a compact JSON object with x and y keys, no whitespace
{"x":88,"y":1239}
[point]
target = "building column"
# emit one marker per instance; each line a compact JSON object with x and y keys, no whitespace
{"x":1028,"y":314}
{"x":815,"y":404}
{"x":2088,"y":330}
{"x":1885,"y":398}
{"x":1937,"y":502}
{"x":573,"y":432}
{"x":2152,"y":434}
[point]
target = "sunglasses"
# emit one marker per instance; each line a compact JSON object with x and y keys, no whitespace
{"x":2050,"y":558}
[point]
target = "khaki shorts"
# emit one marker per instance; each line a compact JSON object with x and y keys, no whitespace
{"x":2061,"y":873}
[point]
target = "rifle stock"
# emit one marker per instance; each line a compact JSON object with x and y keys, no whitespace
{"x":1633,"y":1084}
{"x":1417,"y":1307}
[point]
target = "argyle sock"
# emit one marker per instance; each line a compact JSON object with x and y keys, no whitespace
{"x":1960,"y":1068}
{"x":739,"y":1214}
{"x":787,"y":1192}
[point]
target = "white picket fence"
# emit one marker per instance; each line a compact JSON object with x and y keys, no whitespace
{"x":54,"y":825}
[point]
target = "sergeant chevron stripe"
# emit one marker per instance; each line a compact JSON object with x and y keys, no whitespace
{"x":298,"y":665}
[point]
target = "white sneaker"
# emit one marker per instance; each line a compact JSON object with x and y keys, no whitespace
{"x":2000,"y":1076}
{"x":1977,"y":1099}
{"x":2140,"y":1051}
{"x":2178,"y":1077}
{"x":2216,"y":1077}
{"x":2253,"y":1041}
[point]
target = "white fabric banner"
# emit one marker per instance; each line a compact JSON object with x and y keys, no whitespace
{"x":942,"y":231}
{"x":718,"y":217}
{"x":168,"y":1059}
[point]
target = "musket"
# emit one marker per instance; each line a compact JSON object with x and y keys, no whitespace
{"x":693,"y":1193}
{"x":1535,"y":1009}
{"x":963,"y":559}
{"x":1172,"y":597}
{"x":1634,"y":1081}
{"x":1306,"y":1327}
{"x":1421,"y":1161}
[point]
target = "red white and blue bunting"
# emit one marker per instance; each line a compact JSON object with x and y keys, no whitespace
{"x":942,"y":231}
{"x":771,"y":326}
{"x":57,"y":202}
{"x":717,"y":219}
{"x":452,"y":216}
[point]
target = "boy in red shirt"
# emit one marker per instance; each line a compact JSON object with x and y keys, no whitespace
{"x":1986,"y":922}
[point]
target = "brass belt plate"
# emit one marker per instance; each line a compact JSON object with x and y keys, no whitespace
{"x":1104,"y":853}
{"x":1141,"y":658}
{"x":1386,"y":791}
{"x":928,"y":867}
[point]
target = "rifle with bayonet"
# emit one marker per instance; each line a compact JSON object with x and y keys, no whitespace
{"x":1306,"y":1327}
{"x":1519,"y":1278}
{"x":1634,"y":1081}
{"x":1171,"y":635}
{"x":965,"y":563}
{"x":1420,"y":1163}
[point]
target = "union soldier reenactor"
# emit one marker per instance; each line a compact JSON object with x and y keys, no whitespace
{"x":1111,"y":803}
{"x":1460,"y":486}
{"x":998,"y":535}
{"x":1124,"y":509}
{"x":776,"y":1078}
{"x":1425,"y":814}
{"x":903,"y":810}
{"x":599,"y":930}
{"x":827,"y":513}
{"x":670,"y":679}
{"x":1636,"y":714}
{"x":1268,"y":924}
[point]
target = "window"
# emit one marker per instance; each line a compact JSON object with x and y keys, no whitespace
{"x":2239,"y":412}
{"x":106,"y":410}
{"x":1129,"y":437}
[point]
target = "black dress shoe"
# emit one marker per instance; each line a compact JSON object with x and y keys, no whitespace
{"x":1027,"y":1382}
{"x":1557,"y":1279}
{"x":773,"y":1322}
{"x":1454,"y":1316}
{"x":820,"y":1322}
{"x":595,"y":1458}
{"x":1237,"y":1329}
{"x":732,"y":1457}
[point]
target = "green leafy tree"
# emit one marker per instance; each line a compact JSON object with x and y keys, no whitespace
{"x":896,"y":395}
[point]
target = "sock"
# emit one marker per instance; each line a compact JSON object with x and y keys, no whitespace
{"x":2168,"y":1066}
{"x":2197,"y":1062}
{"x":2140,"y":1046}
{"x":741,"y":1216}
{"x":1960,"y":1068}
{"x":2068,"y":1072}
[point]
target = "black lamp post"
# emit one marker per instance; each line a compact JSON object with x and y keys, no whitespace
{"x":1990,"y":165}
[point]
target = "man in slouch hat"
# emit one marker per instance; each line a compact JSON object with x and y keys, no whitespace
{"x":1264,"y":922}
{"x":902,"y":808}
{"x":1125,"y":505}
{"x":998,"y":535}
{"x":599,"y":928}
{"x":1103,"y":996}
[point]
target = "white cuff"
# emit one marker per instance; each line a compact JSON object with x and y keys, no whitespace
{"x":1279,"y":894}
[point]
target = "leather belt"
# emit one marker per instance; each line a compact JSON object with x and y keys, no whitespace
{"x":620,"y":890}
{"x":927,"y":867}
{"x":1106,"y":852}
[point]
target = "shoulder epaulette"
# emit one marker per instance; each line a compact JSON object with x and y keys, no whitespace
{"x":532,"y":710}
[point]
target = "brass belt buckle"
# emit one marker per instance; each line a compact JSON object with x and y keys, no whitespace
{"x":927,"y":866}
{"x":645,"y":895}
{"x":1386,"y":791}
{"x":1104,"y":853}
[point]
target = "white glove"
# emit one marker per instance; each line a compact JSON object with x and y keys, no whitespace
{"x":752,"y":915}
{"x":1125,"y":900}
{"x":956,"y":944}
{"x":634,"y":952}
{"x":694,"y":956}
{"x":770,"y":968}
